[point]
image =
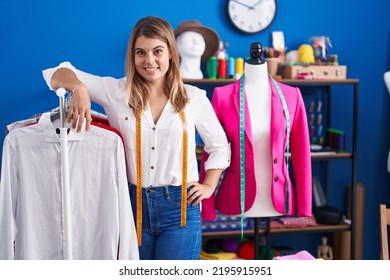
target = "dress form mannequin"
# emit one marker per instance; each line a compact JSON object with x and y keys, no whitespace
{"x":287,"y":121}
{"x":191,"y":46}
{"x":258,"y":94}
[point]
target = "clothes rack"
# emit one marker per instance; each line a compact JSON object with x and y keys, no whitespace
{"x":65,"y":175}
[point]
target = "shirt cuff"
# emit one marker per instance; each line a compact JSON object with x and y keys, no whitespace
{"x":220,"y":161}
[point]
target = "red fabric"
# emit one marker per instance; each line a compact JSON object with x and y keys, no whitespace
{"x":100,"y":120}
{"x":247,"y":250}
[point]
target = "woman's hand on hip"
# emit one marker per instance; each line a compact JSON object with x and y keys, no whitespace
{"x":198,"y":192}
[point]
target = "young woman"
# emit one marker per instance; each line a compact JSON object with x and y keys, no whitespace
{"x":157,"y":116}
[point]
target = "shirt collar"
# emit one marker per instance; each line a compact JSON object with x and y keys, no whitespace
{"x":49,"y":130}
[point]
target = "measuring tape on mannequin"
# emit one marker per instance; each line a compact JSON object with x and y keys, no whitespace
{"x":138,"y":135}
{"x":242,"y":146}
{"x":242,"y":151}
{"x":288,"y":129}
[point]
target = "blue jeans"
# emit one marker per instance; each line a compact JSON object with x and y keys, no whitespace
{"x":162,"y":236}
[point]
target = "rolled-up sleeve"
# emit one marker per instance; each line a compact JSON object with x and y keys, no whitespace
{"x":48,"y":73}
{"x":99,"y":88}
{"x":214,"y":138}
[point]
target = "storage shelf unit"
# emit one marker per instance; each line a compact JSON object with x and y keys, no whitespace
{"x":320,"y":228}
{"x":352,"y":156}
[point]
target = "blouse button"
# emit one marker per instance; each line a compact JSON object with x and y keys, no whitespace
{"x":126,"y":118}
{"x":276,"y":179}
{"x":152,"y":167}
{"x":275,"y":161}
{"x":153,"y":148}
{"x":154,"y":128}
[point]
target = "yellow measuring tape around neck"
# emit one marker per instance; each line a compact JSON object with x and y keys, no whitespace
{"x":183,"y":217}
{"x":138,"y":159}
{"x":138,"y":135}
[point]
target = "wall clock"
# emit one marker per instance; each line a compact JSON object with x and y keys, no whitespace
{"x":251,"y":16}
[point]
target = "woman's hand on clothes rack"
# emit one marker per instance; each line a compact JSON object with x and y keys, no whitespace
{"x":80,"y":108}
{"x":198,"y":192}
{"x":80,"y":103}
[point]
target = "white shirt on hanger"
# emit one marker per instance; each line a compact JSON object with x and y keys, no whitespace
{"x":31,"y":214}
{"x":166,"y":166}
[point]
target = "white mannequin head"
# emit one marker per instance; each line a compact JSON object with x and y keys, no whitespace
{"x":191,"y":46}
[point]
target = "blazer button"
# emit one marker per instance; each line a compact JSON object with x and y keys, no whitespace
{"x":276,"y":179}
{"x":275,"y":161}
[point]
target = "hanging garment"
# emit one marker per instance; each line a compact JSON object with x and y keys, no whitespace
{"x":31,"y":204}
{"x":225,"y":101}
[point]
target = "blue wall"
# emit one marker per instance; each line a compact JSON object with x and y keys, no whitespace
{"x":93,"y":36}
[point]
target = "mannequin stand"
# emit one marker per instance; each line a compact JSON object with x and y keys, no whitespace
{"x":256,"y":238}
{"x":258,"y":91}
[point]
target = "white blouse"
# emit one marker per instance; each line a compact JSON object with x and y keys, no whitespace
{"x":161,"y":142}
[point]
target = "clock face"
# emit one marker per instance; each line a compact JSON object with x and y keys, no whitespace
{"x":251,"y":16}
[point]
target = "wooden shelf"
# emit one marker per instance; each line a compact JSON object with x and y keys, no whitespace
{"x":342,"y":155}
{"x":279,"y":230}
{"x":212,"y":82}
{"x":314,"y":156}
{"x":296,"y":82}
{"x":293,"y":82}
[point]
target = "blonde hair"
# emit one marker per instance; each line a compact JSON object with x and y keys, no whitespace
{"x":138,"y":92}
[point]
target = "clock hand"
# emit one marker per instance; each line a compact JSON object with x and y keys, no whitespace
{"x":249,"y":7}
{"x":256,"y":4}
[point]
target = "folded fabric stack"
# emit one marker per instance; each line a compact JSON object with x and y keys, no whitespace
{"x":217,"y":256}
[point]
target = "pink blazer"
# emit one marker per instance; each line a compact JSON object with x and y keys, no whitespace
{"x":225,"y":101}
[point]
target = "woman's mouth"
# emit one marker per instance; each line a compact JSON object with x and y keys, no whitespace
{"x":150,"y":69}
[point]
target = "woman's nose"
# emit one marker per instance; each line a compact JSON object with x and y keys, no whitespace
{"x":149,"y":58}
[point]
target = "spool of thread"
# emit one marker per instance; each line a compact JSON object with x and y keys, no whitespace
{"x":231,"y":68}
{"x":333,"y":59}
{"x":222,"y":68}
{"x":336,"y":139}
{"x":311,"y":119}
{"x":212,"y":65}
{"x":239,"y":67}
{"x":319,"y":119}
{"x":330,"y":136}
{"x":340,"y":143}
{"x":319,"y":133}
{"x":311,"y":130}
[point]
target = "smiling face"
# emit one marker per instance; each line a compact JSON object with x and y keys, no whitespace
{"x":152,"y":64}
{"x":151,"y":58}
